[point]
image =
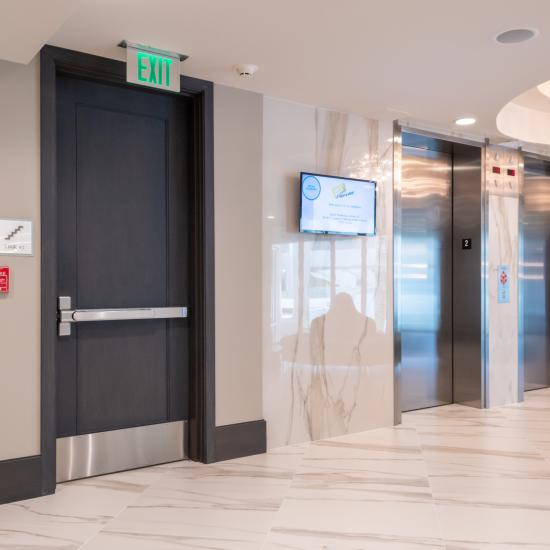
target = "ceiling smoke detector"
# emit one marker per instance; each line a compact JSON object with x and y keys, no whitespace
{"x":515,"y":36}
{"x":246,"y":70}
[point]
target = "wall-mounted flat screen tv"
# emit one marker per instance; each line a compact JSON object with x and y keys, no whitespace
{"x":337,"y":206}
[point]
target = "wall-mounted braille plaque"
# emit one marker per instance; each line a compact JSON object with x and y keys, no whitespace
{"x":16,"y":237}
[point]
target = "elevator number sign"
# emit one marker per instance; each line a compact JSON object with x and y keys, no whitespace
{"x":152,"y":69}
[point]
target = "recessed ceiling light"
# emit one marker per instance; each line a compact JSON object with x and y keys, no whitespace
{"x":465,"y":121}
{"x":515,"y":36}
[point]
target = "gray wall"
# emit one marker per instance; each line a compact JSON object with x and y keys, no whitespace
{"x":238,"y":219}
{"x":20,"y":310}
{"x":238,"y":171}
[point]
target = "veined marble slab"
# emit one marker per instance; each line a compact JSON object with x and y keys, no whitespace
{"x":502,"y":249}
{"x":328,"y":343}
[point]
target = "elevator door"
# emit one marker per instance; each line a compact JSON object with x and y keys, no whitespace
{"x":425,"y":304}
{"x":124,"y":238}
{"x":536,"y":302}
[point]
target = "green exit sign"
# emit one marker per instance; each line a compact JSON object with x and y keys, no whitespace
{"x":150,"y":68}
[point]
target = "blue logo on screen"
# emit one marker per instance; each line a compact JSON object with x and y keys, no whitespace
{"x":311,"y":188}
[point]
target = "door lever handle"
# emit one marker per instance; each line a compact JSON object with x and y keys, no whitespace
{"x":67,"y":316}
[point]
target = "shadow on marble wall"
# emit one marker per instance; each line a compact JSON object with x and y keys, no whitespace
{"x":328,"y":333}
{"x":342,"y":336}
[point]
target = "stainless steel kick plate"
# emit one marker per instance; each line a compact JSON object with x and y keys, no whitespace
{"x":117,"y":450}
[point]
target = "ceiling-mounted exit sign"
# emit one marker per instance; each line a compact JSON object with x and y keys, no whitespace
{"x":149,"y":66}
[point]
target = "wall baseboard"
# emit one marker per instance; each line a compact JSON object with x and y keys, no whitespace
{"x":20,"y":478}
{"x":238,"y":440}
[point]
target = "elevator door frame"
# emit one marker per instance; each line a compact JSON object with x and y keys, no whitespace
{"x":398,"y":130}
{"x":201,"y":425}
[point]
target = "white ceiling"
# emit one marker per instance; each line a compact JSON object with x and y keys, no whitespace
{"x":423,"y":60}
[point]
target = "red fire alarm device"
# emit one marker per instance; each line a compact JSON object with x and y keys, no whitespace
{"x":4,"y":280}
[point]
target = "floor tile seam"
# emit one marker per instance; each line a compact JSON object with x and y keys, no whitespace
{"x":440,"y":538}
{"x":523,"y":437}
{"x":281,"y":503}
{"x":535,"y":455}
{"x":437,"y":501}
{"x":159,"y":486}
{"x":418,"y":459}
{"x":438,"y":519}
{"x":276,"y":513}
{"x":39,"y":536}
{"x":112,"y":519}
{"x":96,"y":526}
{"x":299,"y":467}
{"x":528,"y":444}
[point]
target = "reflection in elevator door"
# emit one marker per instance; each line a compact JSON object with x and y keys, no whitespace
{"x":425,"y":306}
{"x":536,"y":265}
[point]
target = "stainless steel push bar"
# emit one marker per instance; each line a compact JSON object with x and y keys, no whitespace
{"x":67,"y":316}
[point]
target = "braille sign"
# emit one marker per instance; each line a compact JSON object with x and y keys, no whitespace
{"x":16,"y":237}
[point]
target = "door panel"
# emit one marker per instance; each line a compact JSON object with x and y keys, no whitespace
{"x":536,"y":251}
{"x":121,"y":209}
{"x":121,"y":375}
{"x":125,"y":233}
{"x":425,"y":301}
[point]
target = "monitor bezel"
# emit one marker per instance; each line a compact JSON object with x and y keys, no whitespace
{"x":338,"y":233}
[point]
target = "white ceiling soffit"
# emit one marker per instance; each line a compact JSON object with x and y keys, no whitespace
{"x":527,"y":117}
{"x":26,"y":25}
{"x":428,"y":60}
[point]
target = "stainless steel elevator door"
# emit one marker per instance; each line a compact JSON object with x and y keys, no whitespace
{"x":425,"y":302}
{"x":536,"y":251}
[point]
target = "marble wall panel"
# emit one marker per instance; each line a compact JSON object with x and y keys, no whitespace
{"x":502,"y":249}
{"x":327,"y":307}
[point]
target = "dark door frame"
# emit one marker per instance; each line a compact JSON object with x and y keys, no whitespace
{"x":53,"y":62}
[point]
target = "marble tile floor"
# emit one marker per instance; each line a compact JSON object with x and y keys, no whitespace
{"x":452,"y":478}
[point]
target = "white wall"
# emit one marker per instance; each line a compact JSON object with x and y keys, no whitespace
{"x":20,"y":310}
{"x":238,"y":217}
{"x":327,"y":317}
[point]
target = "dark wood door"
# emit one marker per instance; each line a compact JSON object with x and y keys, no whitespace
{"x":125,"y":241}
